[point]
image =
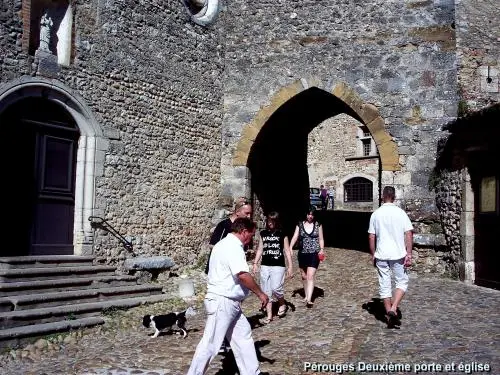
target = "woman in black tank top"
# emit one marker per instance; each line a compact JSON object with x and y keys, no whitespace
{"x":309,"y":233}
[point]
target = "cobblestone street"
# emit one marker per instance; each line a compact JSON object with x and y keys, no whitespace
{"x":444,"y":323}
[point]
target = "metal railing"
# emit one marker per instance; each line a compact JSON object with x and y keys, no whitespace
{"x":97,"y":222}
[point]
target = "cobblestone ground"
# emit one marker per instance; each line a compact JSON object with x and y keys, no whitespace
{"x":444,"y":323}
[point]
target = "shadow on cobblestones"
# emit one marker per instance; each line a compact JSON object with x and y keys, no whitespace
{"x":228,"y":362}
{"x":377,"y":309}
{"x":317,"y":293}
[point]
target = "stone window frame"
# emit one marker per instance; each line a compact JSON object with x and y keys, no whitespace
{"x":364,"y":141}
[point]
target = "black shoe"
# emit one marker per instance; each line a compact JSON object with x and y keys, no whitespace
{"x":393,"y":320}
{"x":400,"y":316}
{"x":263,"y":373}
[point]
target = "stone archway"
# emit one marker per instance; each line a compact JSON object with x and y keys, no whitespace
{"x":366,"y":113}
{"x":292,"y":113}
{"x":90,"y":151}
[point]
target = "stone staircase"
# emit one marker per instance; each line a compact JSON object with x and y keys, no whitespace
{"x":41,"y":295}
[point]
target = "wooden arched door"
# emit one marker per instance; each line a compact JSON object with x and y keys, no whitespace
{"x":39,"y":162}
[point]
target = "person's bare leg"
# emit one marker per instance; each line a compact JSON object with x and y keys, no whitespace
{"x":387,"y":304}
{"x":269,"y":309}
{"x":311,"y":271}
{"x":398,"y":296}
{"x":303,"y":275}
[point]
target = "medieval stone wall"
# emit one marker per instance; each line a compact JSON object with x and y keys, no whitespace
{"x":478,"y":73}
{"x":152,"y":80}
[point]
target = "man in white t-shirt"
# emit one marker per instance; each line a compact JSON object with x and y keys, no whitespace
{"x":229,"y":283}
{"x":390,"y":236}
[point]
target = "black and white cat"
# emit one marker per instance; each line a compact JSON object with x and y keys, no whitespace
{"x":165,"y":322}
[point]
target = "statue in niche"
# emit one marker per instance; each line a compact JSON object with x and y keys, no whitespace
{"x":46,"y":24}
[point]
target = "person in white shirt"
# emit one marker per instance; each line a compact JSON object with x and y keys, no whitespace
{"x":390,"y":236}
{"x":229,"y":283}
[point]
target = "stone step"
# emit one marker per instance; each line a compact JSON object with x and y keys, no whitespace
{"x":20,"y":318}
{"x":37,"y":261}
{"x":45,"y":273}
{"x":65,"y":284}
{"x":31,"y":301}
{"x":13,"y":337}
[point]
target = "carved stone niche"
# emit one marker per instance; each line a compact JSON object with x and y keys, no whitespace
{"x":488,"y":78}
{"x":202,"y":12}
{"x":51,"y":25}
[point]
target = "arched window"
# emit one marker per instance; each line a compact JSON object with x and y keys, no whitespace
{"x":358,"y":189}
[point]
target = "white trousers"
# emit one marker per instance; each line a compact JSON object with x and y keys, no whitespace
{"x":225,"y":319}
{"x":384,"y":268}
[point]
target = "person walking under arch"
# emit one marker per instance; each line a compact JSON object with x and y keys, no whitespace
{"x":390,"y":237}
{"x":309,"y":233}
{"x":323,"y":193}
{"x":273,"y":249}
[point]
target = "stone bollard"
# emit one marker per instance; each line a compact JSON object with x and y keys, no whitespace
{"x":186,"y":288}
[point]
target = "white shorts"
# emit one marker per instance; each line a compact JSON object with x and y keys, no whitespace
{"x":384,"y":268}
{"x":271,"y":280}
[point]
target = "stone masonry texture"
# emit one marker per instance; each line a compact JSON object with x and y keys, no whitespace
{"x":173,"y":100}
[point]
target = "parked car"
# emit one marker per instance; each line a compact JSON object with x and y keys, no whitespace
{"x":315,"y":198}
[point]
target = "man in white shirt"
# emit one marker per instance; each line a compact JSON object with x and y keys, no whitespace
{"x":229,"y":283}
{"x":390,"y":236}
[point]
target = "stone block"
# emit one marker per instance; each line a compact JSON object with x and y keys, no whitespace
{"x":387,"y":178}
{"x":422,"y":239}
{"x":488,"y":78}
{"x":402,"y":178}
{"x":406,"y":150}
{"x":467,"y":223}
{"x":467,"y":248}
{"x":149,"y":263}
{"x":241,"y":172}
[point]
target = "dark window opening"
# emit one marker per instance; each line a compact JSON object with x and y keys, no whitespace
{"x":367,"y":147}
{"x":366,"y":132}
{"x":358,"y":189}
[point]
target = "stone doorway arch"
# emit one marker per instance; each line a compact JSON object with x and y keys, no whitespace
{"x":319,"y":104}
{"x":91,"y":146}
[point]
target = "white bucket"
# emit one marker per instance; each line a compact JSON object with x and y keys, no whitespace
{"x":186,"y":288}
